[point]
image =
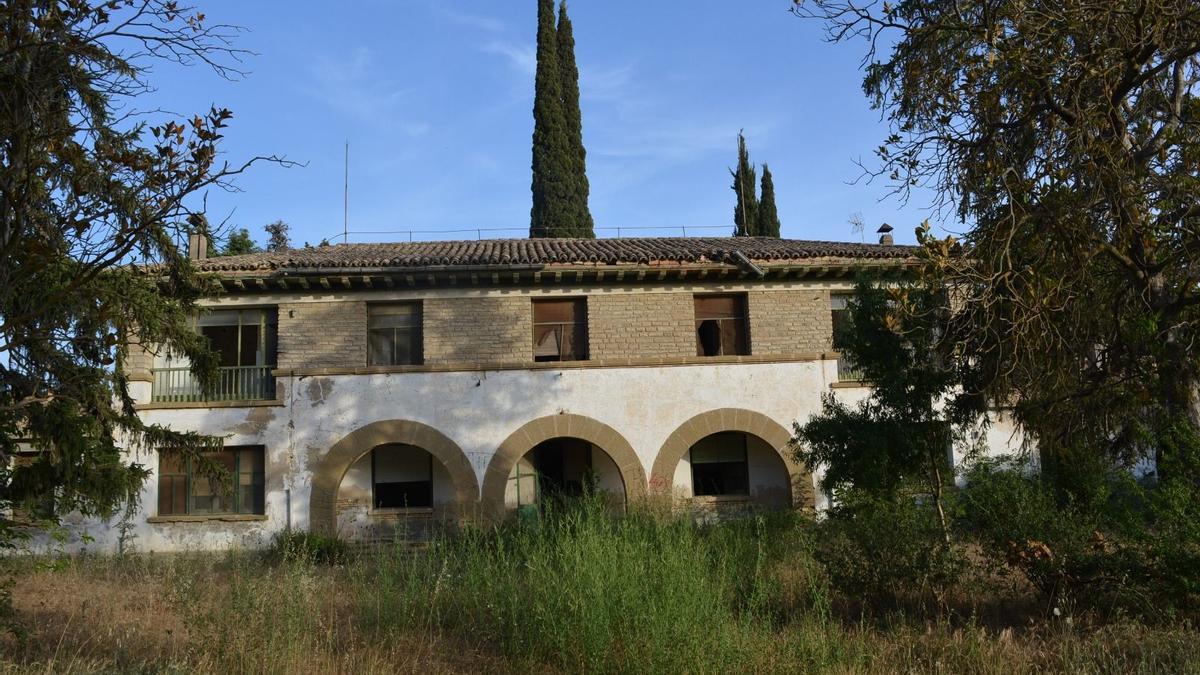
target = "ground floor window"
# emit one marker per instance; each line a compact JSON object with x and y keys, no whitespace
{"x":719,"y":465}
{"x":184,"y":489}
{"x":401,"y":477}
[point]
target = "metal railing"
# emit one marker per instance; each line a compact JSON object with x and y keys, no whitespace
{"x":236,"y":383}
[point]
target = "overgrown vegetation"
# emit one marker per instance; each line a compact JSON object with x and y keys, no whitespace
{"x":584,"y":590}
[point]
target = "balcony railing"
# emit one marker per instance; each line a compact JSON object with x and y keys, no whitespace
{"x":237,"y":383}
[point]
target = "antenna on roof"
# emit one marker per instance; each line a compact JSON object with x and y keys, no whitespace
{"x":346,"y":198}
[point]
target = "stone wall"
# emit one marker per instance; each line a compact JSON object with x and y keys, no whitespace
{"x":478,"y":330}
{"x":796,"y":321}
{"x":624,"y":325}
{"x":322,"y":334}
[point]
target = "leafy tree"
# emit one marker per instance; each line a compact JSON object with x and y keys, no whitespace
{"x":239,"y":243}
{"x":745,"y":214}
{"x":920,"y":403}
{"x":1067,"y":138}
{"x":767,"y":216}
{"x":279,"y":240}
{"x":578,"y":218}
{"x":86,"y":189}
{"x":552,"y":158}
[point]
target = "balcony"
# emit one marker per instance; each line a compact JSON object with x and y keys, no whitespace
{"x":236,"y":383}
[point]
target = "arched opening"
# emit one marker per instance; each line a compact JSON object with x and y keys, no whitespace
{"x":730,"y":458}
{"x":729,"y":470}
{"x":558,"y":470}
{"x":564,"y":444}
{"x":395,"y":491}
{"x":405,"y":463}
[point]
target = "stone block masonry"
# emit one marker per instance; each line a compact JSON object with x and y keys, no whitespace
{"x":478,"y":330}
{"x":322,"y":334}
{"x":624,"y":325}
{"x":794,"y":321}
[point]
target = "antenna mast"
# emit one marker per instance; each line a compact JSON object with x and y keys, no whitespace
{"x":346,"y":198}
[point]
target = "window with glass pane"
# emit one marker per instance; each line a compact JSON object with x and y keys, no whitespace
{"x":840,"y":319}
{"x":719,"y":465}
{"x":560,"y":330}
{"x":183,"y":490}
{"x":401,"y":477}
{"x":721,"y":325}
{"x":242,"y":337}
{"x":394,"y":334}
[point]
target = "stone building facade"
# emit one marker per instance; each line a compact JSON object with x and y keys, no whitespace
{"x":384,"y":390}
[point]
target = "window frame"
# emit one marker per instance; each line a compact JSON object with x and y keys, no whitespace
{"x":839,"y":313}
{"x":579,"y":324}
{"x":741,"y":324}
{"x":374,"y":497}
{"x":268,"y":336}
{"x":417,"y":329}
{"x":235,"y":494}
{"x":745,"y":461}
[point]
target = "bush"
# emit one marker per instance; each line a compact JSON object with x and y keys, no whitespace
{"x":306,"y":547}
{"x":887,"y":552}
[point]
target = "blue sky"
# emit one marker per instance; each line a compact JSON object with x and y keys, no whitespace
{"x":435,"y":97}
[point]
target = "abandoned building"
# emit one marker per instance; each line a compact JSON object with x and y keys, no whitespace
{"x":380,"y":390}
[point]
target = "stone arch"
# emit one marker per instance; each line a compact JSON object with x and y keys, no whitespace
{"x":328,"y":474}
{"x":563,"y":425}
{"x":662,"y":476}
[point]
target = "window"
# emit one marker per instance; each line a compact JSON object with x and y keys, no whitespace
{"x":721,"y":325}
{"x":394,"y":334}
{"x":560,"y":330}
{"x":184,"y":490}
{"x":719,"y":465}
{"x":242,"y":337}
{"x":840,"y":317}
{"x":401,"y":477}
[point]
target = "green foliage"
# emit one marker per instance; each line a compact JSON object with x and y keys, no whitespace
{"x":768,"y":215}
{"x":559,"y":186}
{"x":745,"y":213}
{"x":239,"y":242}
{"x":306,"y":547}
{"x":278,"y":238}
{"x":1076,"y":172}
{"x":87,"y":190}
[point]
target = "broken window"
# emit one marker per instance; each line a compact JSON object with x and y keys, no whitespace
{"x":401,"y":477}
{"x":721,"y":325}
{"x":184,"y":490}
{"x":394,"y":334}
{"x":560,"y":330}
{"x":719,"y":465}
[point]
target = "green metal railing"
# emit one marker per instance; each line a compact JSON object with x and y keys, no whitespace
{"x":236,"y":383}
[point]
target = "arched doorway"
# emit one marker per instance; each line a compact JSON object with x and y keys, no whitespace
{"x":400,"y":446}
{"x":730,"y":459}
{"x":557,"y":456}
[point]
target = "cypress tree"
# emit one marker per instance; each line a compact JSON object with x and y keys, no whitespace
{"x":552,"y":164}
{"x":768,"y":215}
{"x":579,"y":218}
{"x":745,"y":214}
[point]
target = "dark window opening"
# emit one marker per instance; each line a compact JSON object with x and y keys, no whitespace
{"x":721,"y":326}
{"x":241,"y":338}
{"x":560,"y":330}
{"x":394,"y":335}
{"x":184,"y":490}
{"x":401,"y":477}
{"x":719,"y":465}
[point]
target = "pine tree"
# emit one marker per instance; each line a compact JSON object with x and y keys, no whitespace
{"x":745,"y":214}
{"x":551,"y":155}
{"x":768,"y":215}
{"x":579,"y":218}
{"x":279,"y":238}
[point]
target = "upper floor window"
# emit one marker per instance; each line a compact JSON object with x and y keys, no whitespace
{"x":721,"y":328}
{"x":184,"y":490}
{"x":242,"y":337}
{"x":839,"y":304}
{"x":394,"y":334}
{"x":560,"y":330}
{"x":245,"y":341}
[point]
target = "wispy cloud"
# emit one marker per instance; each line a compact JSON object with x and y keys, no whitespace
{"x":522,"y":57}
{"x":348,"y":84}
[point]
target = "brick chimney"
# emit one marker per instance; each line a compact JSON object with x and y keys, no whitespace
{"x":885,"y":235}
{"x":197,"y":246}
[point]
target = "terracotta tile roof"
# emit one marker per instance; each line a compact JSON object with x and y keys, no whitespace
{"x":516,"y":252}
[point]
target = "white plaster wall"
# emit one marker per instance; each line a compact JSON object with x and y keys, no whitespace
{"x":477,"y":410}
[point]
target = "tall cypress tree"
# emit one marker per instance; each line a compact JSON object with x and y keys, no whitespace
{"x":745,"y":214}
{"x":579,"y":217}
{"x":551,"y":154}
{"x":768,"y":215}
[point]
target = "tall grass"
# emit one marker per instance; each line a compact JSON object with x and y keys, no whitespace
{"x":576,"y":590}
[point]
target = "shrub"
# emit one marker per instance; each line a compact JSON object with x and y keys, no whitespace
{"x":306,"y":547}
